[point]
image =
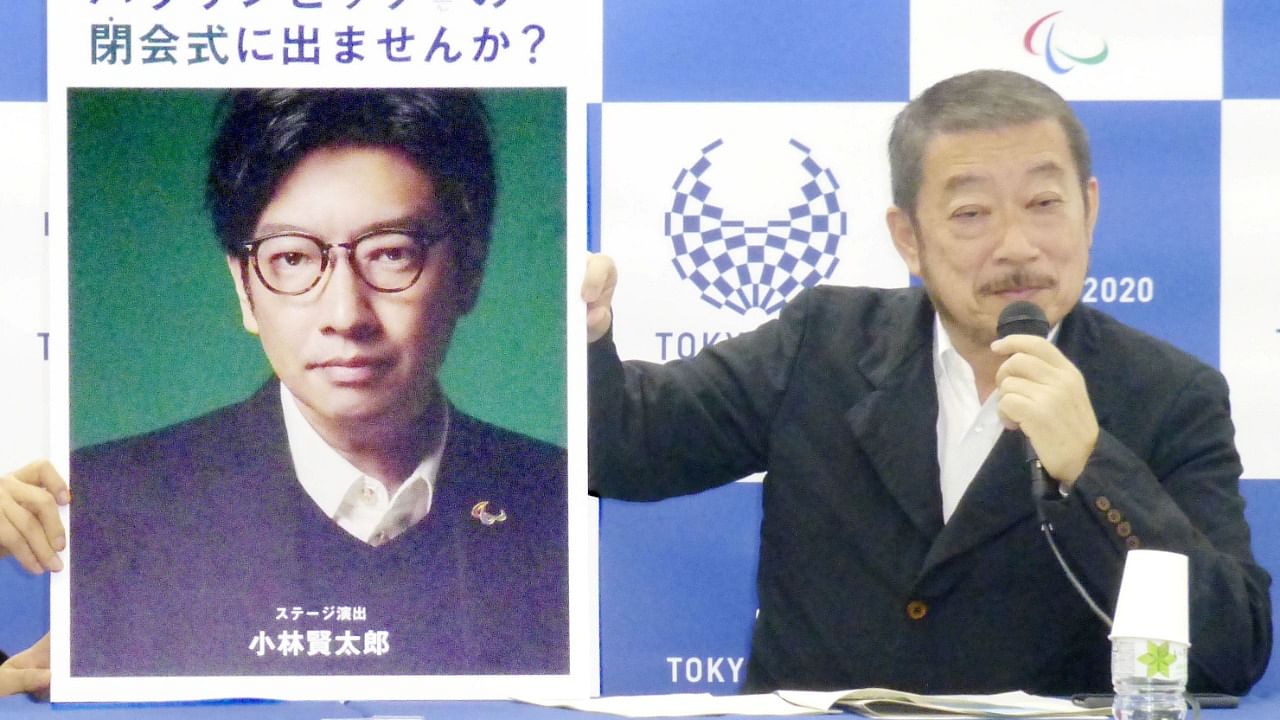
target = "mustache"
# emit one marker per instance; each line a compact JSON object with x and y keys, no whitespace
{"x":1018,"y":280}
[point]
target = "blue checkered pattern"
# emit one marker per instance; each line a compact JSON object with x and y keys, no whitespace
{"x":741,"y":266}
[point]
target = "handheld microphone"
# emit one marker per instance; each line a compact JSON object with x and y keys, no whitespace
{"x":1026,"y":318}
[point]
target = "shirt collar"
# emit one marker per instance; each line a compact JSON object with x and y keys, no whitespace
{"x":326,"y":475}
{"x":949,"y":368}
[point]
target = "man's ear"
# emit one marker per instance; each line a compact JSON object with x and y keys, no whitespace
{"x":239,"y":273}
{"x":903,"y":232}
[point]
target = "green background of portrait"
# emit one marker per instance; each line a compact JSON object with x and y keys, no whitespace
{"x":155,"y":334}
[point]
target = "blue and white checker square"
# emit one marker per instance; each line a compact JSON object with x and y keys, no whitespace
{"x":1156,"y":251}
{"x":1250,"y":53}
{"x":678,"y":596}
{"x":23,"y":597}
{"x":721,"y":50}
{"x":22,"y":51}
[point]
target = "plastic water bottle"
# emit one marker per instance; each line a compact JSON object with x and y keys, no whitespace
{"x":1149,"y":678}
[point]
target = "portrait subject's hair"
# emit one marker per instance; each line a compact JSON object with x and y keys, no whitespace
{"x":263,"y":134}
{"x":981,"y":100}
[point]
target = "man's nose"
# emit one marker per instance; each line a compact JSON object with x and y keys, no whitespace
{"x":345,"y":299}
{"x":1016,"y":243}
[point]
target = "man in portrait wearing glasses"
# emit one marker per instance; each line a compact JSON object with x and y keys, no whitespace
{"x":345,"y":518}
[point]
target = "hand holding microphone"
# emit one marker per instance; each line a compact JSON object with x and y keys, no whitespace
{"x":1043,"y":394}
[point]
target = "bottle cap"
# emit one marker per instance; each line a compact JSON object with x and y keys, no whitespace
{"x":1153,"y":597}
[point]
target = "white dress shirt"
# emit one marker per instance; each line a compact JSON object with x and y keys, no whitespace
{"x":967,"y":429}
{"x":358,"y":503}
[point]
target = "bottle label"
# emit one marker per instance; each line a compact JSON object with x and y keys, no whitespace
{"x":1155,"y":660}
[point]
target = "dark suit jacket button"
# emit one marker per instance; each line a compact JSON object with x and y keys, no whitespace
{"x":1132,"y":542}
{"x":1123,"y":530}
{"x":1102,"y":503}
{"x":917,"y":609}
{"x":1114,"y":516}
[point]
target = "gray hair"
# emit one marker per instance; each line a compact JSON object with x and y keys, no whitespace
{"x":976,"y":101}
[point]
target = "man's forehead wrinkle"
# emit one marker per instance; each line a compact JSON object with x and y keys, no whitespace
{"x":1050,"y":168}
{"x":967,"y":179}
{"x":963,"y":180}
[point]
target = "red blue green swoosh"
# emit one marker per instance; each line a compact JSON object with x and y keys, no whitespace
{"x":1051,"y":53}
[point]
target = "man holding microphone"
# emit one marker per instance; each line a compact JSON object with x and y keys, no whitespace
{"x":900,"y":538}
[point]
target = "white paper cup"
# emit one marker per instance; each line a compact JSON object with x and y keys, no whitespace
{"x":1153,"y":597}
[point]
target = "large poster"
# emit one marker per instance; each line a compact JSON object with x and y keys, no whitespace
{"x":319,"y":392}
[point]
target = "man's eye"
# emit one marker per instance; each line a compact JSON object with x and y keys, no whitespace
{"x":967,"y":214}
{"x":292,"y":259}
{"x":391,"y":254}
{"x":394,"y":251}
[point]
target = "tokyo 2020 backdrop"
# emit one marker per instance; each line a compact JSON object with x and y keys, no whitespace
{"x":752,"y":116}
{"x":771,"y":124}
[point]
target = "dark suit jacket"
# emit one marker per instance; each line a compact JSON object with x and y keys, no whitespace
{"x":195,"y":545}
{"x":859,"y":581}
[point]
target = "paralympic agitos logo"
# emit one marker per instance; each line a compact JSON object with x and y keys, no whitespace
{"x":1039,"y":40}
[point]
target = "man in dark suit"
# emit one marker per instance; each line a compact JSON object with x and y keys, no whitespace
{"x":346,"y":518}
{"x":901,"y":543}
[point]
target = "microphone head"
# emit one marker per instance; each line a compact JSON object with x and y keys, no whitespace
{"x":1022,"y":318}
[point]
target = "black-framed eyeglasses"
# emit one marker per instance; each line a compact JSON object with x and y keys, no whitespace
{"x":388,"y":260}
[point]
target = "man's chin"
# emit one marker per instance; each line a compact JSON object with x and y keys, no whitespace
{"x":370,"y":412}
{"x":370,"y":405}
{"x":357,"y":407}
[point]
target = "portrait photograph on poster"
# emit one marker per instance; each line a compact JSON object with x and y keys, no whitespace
{"x":318,"y":387}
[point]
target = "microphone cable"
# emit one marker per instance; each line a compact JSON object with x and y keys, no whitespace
{"x":1047,"y":528}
